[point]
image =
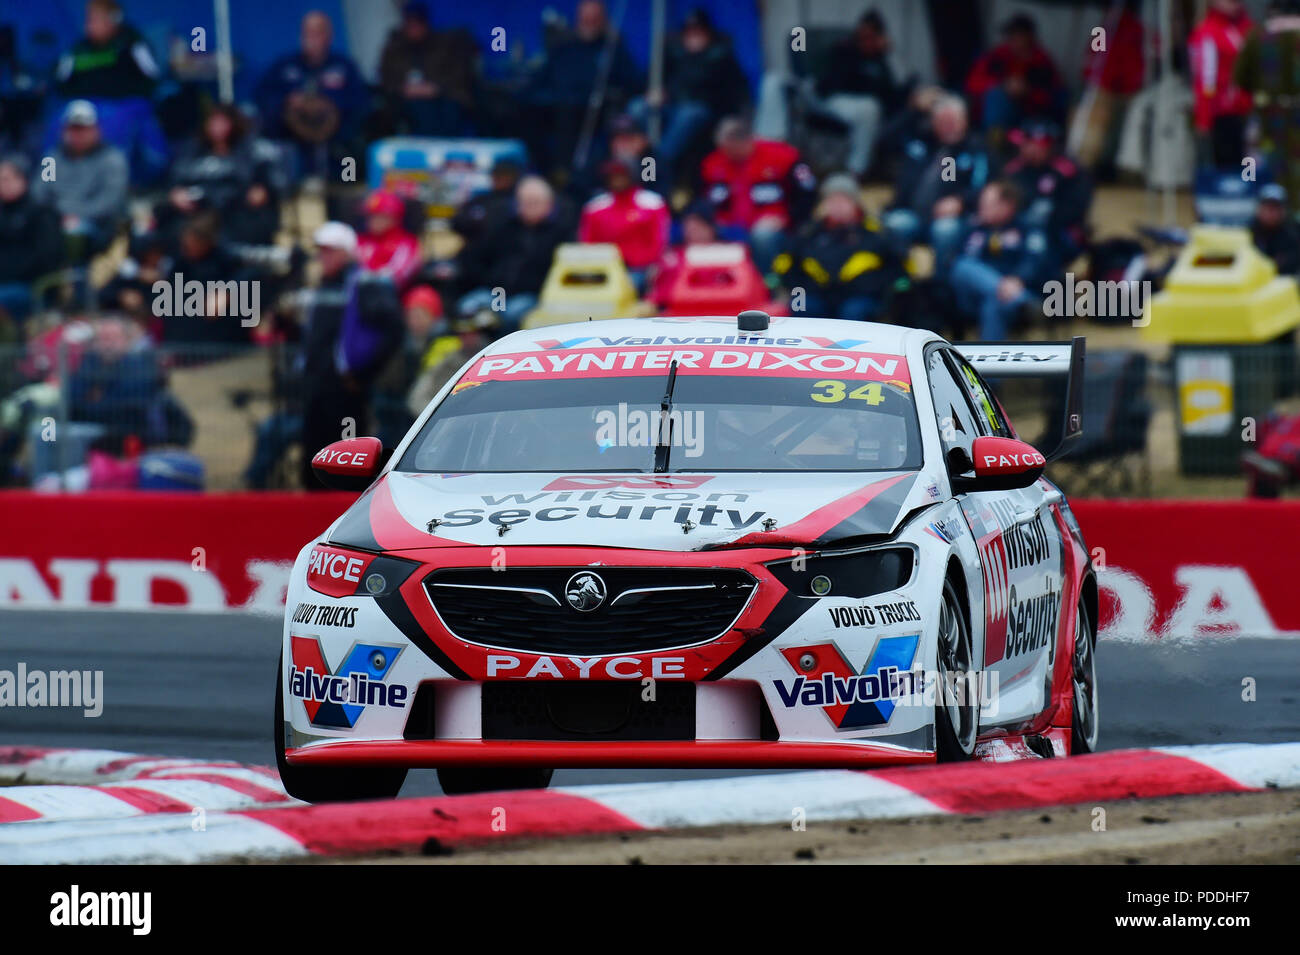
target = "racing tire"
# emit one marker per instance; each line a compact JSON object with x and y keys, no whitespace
{"x":327,"y":783}
{"x":1083,"y":685}
{"x":956,"y":716}
{"x":461,"y":780}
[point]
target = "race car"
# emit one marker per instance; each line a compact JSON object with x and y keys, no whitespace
{"x":694,"y":542}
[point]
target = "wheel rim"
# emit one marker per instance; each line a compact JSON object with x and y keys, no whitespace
{"x":955,"y":659}
{"x":1084,"y":665}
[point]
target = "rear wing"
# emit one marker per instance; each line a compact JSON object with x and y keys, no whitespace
{"x":1037,"y":360}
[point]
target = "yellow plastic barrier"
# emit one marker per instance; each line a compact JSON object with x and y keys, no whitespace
{"x":586,"y":281}
{"x":1222,"y":290}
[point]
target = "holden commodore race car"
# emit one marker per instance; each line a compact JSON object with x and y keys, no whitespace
{"x":667,"y":542}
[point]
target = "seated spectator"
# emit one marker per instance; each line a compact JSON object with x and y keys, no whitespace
{"x":428,"y":73}
{"x":386,"y":246}
{"x":113,"y":67}
{"x":758,"y":188}
{"x":939,"y":180}
{"x":703,"y":82}
{"x":1057,"y":193}
{"x":515,"y":257}
{"x":422,"y":309}
{"x":859,"y":87}
{"x":998,"y":263}
{"x":628,"y":144}
{"x":1274,"y":231}
{"x":200,"y":257}
{"x":314,"y":97}
{"x":30,"y":242}
{"x":130,"y":291}
{"x":561,"y":91}
{"x":1016,"y":81}
{"x":481,"y":213}
{"x":846,"y":267}
{"x":119,"y":385}
{"x":352,"y":327}
{"x":89,"y":188}
{"x":215,"y":174}
{"x":634,"y":219}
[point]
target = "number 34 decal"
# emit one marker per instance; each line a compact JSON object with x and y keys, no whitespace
{"x":831,"y":392}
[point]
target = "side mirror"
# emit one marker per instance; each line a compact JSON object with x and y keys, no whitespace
{"x":349,"y":465}
{"x":1000,"y":464}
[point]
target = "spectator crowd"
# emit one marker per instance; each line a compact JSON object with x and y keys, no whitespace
{"x":377,"y":318}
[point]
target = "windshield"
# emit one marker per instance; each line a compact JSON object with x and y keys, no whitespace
{"x":718,"y":422}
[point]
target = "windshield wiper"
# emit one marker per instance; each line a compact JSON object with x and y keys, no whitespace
{"x":663,"y":447}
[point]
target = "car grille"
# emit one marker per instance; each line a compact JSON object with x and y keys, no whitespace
{"x":644,"y":608}
{"x":598,"y":710}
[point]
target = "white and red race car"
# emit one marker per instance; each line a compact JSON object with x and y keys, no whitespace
{"x":785,"y":542}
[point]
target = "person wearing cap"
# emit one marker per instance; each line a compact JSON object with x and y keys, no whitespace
{"x":113,"y":67}
{"x":858,"y":85}
{"x":999,"y":262}
{"x":30,"y":242}
{"x":352,"y":326}
{"x":426,"y":345}
{"x":635,"y":219}
{"x":89,"y":187}
{"x":515,"y":256}
{"x":1274,"y":231}
{"x":428,"y":74}
{"x":1016,"y":80}
{"x":759,"y":189}
{"x":695,"y":226}
{"x":844,"y":264}
{"x":1056,"y":192}
{"x":386,"y":246}
{"x":628,"y":144}
{"x":703,"y":82}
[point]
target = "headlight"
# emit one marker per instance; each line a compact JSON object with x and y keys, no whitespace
{"x":854,"y":574}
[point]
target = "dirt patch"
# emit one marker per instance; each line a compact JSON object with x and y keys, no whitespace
{"x":1241,"y":828}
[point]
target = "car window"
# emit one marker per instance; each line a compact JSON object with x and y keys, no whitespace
{"x":988,"y":412}
{"x":718,"y":423}
{"x":952,"y":410}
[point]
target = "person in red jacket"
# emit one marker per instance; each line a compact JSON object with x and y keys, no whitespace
{"x":1220,"y":107}
{"x":759,"y":189}
{"x":386,"y":247}
{"x":1016,"y":80}
{"x":634,"y":219}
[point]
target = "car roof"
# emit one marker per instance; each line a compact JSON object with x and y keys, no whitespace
{"x":865,"y":336}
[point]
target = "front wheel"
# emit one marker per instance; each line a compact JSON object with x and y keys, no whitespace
{"x":1083,"y":681}
{"x":956,"y":708}
{"x":327,"y":783}
{"x":459,"y":780}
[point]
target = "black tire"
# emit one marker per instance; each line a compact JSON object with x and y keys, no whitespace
{"x":1083,"y":685}
{"x":956,"y":715}
{"x":327,"y":784}
{"x":459,"y":780}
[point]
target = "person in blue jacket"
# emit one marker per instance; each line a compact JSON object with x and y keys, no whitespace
{"x":314,"y":97}
{"x":997,"y":263}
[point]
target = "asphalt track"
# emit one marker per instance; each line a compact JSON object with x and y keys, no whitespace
{"x":199,"y":685}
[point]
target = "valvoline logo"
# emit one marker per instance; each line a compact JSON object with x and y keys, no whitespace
{"x":337,"y":698}
{"x":851,"y":700}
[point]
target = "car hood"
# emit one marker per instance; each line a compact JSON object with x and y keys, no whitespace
{"x":675,"y":512}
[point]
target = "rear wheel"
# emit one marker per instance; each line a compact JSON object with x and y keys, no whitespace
{"x":1083,"y":680}
{"x":460,"y":780}
{"x":327,"y":783}
{"x":956,"y":709}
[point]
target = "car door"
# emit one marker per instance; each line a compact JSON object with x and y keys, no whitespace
{"x":1020,"y":554}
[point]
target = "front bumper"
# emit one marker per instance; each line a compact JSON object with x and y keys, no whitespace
{"x":738,"y":754}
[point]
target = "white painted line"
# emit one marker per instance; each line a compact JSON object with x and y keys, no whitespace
{"x":1262,"y":766}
